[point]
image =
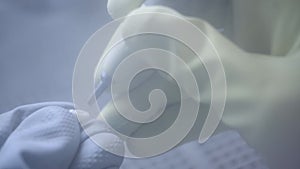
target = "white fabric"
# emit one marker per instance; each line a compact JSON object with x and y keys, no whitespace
{"x":223,"y":151}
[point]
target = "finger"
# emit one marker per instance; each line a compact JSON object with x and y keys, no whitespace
{"x":48,"y":138}
{"x":118,"y":9}
{"x":9,"y":121}
{"x":95,"y":151}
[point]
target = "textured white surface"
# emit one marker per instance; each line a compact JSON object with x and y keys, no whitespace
{"x":223,"y":151}
{"x":48,"y":136}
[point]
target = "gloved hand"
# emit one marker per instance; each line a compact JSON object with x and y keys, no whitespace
{"x":48,"y":136}
{"x":262,"y":90}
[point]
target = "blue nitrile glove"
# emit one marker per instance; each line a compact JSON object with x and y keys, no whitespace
{"x":48,"y":136}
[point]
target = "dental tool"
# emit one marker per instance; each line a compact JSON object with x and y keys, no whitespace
{"x":104,"y":83}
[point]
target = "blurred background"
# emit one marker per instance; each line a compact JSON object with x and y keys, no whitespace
{"x":39,"y":43}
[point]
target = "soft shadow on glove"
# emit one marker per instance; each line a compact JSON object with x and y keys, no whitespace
{"x":47,"y":135}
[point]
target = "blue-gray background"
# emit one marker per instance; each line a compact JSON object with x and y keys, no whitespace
{"x":39,"y":43}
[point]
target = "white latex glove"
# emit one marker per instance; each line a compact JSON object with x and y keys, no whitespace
{"x":263,"y":90}
{"x":48,"y":135}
